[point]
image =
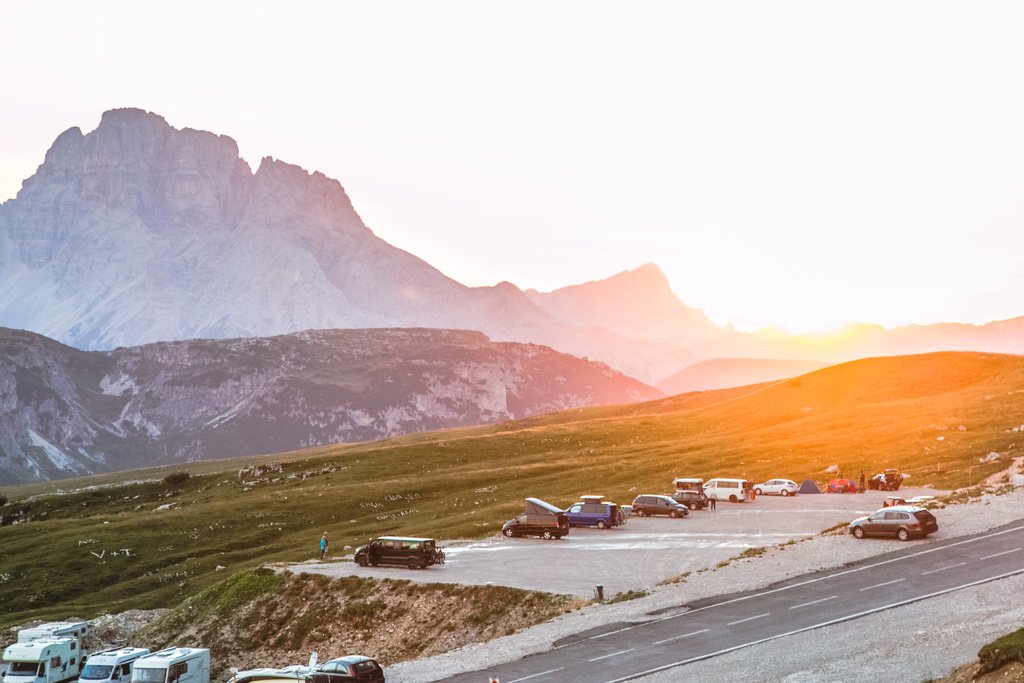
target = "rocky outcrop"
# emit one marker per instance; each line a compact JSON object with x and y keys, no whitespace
{"x":65,"y":412}
{"x":138,"y":232}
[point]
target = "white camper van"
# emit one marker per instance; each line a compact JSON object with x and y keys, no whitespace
{"x":732,"y":490}
{"x":112,"y":666}
{"x":44,"y":660}
{"x":48,"y":653}
{"x":173,"y":665}
{"x":55,"y":629}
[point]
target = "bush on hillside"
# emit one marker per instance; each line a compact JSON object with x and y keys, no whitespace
{"x":3,"y":500}
{"x":176,"y":478}
{"x":1003,"y":651}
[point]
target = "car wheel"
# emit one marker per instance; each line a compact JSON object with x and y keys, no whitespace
{"x":858,"y":532}
{"x":362,"y":560}
{"x":693,"y":506}
{"x":733,"y":498}
{"x":759,"y":492}
{"x":508,"y":533}
{"x":785,"y":493}
{"x":548,"y":535}
{"x":903,"y":535}
{"x":673,"y":514}
{"x":601,"y":524}
{"x":640,"y":512}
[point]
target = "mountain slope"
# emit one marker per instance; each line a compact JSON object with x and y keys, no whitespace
{"x":864,"y":415}
{"x":138,"y":232}
{"x":65,"y":412}
{"x":721,"y":373}
{"x":638,"y":303}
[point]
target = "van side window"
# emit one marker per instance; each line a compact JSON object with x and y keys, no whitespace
{"x":54,"y":662}
{"x":126,"y":669}
{"x":73,"y":644}
{"x":176,"y":671}
{"x":72,"y":662}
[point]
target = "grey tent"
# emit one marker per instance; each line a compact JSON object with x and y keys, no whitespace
{"x":808,"y":487}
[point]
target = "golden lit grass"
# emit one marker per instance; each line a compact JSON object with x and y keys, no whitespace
{"x":866,"y":415}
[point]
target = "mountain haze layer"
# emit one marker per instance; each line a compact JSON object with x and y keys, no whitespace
{"x":66,"y":412}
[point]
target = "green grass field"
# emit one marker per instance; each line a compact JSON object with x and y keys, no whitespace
{"x":71,"y":559}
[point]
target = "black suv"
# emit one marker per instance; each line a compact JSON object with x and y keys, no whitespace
{"x":695,"y":500}
{"x":414,"y":553}
{"x":648,"y":504}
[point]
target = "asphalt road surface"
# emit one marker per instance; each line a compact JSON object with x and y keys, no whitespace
{"x":638,"y":555}
{"x":622,"y":652}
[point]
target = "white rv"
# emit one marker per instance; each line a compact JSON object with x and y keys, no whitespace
{"x":112,"y":666}
{"x":44,"y":660}
{"x":55,"y":629}
{"x":173,"y":665}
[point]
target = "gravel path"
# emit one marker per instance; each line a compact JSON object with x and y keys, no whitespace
{"x":951,"y":634}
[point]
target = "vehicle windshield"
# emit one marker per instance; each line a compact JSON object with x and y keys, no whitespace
{"x":96,"y":672}
{"x":27,"y":669}
{"x":148,"y":675}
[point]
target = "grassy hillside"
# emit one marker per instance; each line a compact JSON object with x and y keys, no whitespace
{"x":70,"y":558}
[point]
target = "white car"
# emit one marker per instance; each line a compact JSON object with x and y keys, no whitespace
{"x":779,"y":487}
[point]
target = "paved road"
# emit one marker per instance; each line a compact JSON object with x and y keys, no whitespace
{"x":622,"y":652}
{"x":638,"y":555}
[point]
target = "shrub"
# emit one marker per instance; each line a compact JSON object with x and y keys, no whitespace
{"x":999,"y":653}
{"x":176,"y":478}
{"x":3,"y":500}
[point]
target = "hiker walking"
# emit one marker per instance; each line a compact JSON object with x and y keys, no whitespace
{"x":323,"y":547}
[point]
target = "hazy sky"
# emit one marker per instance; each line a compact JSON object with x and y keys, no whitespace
{"x":794,"y":164}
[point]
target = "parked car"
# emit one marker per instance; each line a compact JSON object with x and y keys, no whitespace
{"x":777,"y":487}
{"x":893,"y":501}
{"x":890,"y":480}
{"x":591,"y":512}
{"x":902,"y":522}
{"x":539,"y":519}
{"x":414,"y":553}
{"x":694,"y":500}
{"x":649,"y":504}
{"x":350,"y":669}
{"x":732,"y":490}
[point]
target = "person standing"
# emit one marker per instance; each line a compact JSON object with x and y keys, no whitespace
{"x":323,"y":547}
{"x":861,"y":481}
{"x":713,"y":501}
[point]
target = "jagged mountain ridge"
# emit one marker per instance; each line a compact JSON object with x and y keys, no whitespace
{"x":138,"y":232}
{"x":66,"y":412}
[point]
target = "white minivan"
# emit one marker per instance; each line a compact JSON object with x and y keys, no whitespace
{"x":173,"y":665}
{"x":112,"y":666}
{"x":732,"y":490}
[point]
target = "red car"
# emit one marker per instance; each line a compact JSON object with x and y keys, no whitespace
{"x":841,"y":486}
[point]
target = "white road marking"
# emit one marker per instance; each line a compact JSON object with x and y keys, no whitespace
{"x":733,"y":623}
{"x":830,"y":576}
{"x":838,"y":620}
{"x":884,"y":583}
{"x":814,"y":602}
{"x":942,"y":569}
{"x":685,"y":635}
{"x":542,"y":673}
{"x":1005,"y":552}
{"x":605,"y":635}
{"x":620,"y":652}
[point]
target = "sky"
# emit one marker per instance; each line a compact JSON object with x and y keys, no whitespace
{"x":786,"y":164}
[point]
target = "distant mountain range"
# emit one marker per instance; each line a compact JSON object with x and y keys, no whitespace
{"x":138,"y":232}
{"x":65,"y":412}
{"x":723,"y":373}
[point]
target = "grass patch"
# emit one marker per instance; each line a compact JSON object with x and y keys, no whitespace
{"x":626,"y":595}
{"x":1002,"y":651}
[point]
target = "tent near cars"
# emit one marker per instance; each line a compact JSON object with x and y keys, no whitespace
{"x":808,"y":487}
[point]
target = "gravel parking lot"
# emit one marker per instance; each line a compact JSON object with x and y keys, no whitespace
{"x":637,"y":555}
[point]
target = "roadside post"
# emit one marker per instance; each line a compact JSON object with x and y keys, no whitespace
{"x":599,"y":592}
